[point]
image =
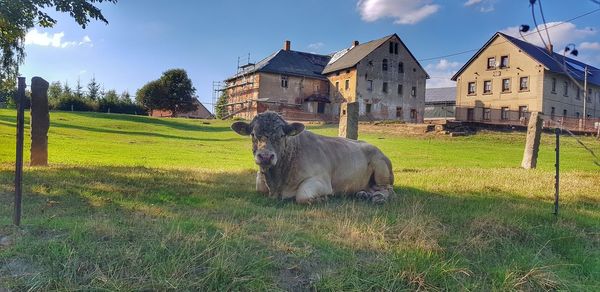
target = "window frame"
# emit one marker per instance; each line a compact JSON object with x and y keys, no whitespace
{"x":491,"y":86}
{"x":413,"y":91}
{"x":504,"y":113}
{"x":521,"y":88}
{"x":284,"y":81}
{"x":474,"y":92}
{"x":384,"y":87}
{"x":493,"y":67}
{"x":487,"y":114}
{"x":347,"y":84}
{"x":369,"y":85}
{"x":506,"y":90}
{"x":502,"y":65}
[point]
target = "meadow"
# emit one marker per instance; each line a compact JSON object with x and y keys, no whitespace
{"x":140,"y":203}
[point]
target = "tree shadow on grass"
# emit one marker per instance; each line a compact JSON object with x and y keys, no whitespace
{"x":139,"y":218}
{"x":189,"y":125}
{"x":135,"y":133}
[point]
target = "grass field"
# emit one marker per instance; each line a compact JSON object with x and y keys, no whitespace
{"x":138,"y":203}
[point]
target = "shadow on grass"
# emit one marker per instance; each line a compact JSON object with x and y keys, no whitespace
{"x":189,"y":125}
{"x":143,"y":228}
{"x":135,"y":133}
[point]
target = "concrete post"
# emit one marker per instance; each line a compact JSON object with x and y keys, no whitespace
{"x":40,"y":122}
{"x":349,"y":120}
{"x":532,"y":145}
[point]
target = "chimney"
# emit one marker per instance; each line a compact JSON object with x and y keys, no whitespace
{"x":287,"y":45}
{"x":355,"y":43}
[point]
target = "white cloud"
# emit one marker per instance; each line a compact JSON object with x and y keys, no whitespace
{"x":403,"y":11}
{"x":472,"y":2}
{"x":316,"y":46}
{"x":441,"y":72}
{"x":595,"y":46}
{"x":561,"y":35}
{"x":484,"y":5}
{"x":44,"y":39}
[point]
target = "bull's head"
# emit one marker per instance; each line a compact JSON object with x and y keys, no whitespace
{"x":269,"y":133}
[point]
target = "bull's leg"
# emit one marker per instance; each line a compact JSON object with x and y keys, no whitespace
{"x":384,"y":179}
{"x":312,"y":189}
{"x":261,"y":184}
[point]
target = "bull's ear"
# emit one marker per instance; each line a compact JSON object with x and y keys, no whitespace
{"x":294,"y":129}
{"x":241,"y":128}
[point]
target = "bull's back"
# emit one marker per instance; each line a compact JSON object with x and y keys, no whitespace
{"x":345,"y":161}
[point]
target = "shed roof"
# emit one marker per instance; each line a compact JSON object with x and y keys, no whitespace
{"x":442,"y":94}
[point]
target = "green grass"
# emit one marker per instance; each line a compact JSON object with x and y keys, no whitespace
{"x":135,"y":203}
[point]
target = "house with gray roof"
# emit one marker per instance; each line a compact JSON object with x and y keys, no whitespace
{"x":440,"y":103}
{"x":381,"y":75}
{"x":509,"y":77}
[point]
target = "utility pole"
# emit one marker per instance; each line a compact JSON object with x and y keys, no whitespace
{"x":585,"y":95}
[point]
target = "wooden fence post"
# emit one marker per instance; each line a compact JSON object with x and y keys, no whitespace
{"x":19,"y":153}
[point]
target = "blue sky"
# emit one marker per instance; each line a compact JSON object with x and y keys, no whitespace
{"x":145,"y":38}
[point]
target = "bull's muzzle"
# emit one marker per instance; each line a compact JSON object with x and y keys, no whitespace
{"x":265,"y":159}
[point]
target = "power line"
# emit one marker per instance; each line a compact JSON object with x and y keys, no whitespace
{"x":534,"y":32}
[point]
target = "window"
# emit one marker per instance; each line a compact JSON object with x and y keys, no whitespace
{"x":370,"y":85}
{"x":487,"y":86}
{"x":391,"y":48}
{"x":413,"y":114}
{"x":284,"y":81}
{"x":384,"y":65}
{"x":504,"y":62}
{"x":524,"y":83}
{"x":577,"y":97}
{"x":486,"y":114}
{"x":506,"y":85}
{"x":413,"y":91}
{"x":504,"y":113}
{"x":400,"y":67}
{"x":385,"y":87}
{"x":470,"y":114}
{"x":400,"y":89}
{"x":552,"y":112}
{"x":321,"y":107}
{"x":471,"y":88}
{"x":577,"y":114}
{"x":566,"y":88}
{"x":564,"y":113}
{"x":337,"y":85}
{"x":588,"y":97}
{"x":522,"y":112}
{"x":399,"y":113}
{"x":368,"y":108}
{"x":395,"y":48}
{"x":347,"y":84}
{"x":553,"y":85}
{"x":491,"y":63}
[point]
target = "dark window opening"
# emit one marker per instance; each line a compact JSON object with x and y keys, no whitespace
{"x":384,"y":65}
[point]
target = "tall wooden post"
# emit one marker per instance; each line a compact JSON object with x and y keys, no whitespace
{"x":19,"y":157}
{"x":40,"y":122}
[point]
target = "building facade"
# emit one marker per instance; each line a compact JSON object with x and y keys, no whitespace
{"x":440,"y":103}
{"x":508,"y":77}
{"x":201,"y":112}
{"x":381,"y":75}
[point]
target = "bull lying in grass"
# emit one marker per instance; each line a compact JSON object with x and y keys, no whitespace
{"x":299,"y":164}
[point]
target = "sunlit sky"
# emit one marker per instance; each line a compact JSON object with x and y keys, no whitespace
{"x":145,"y":38}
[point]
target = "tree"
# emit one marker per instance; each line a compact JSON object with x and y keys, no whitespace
{"x":125,"y":98}
{"x":67,"y":91}
{"x":220,"y":108}
{"x":93,"y":89}
{"x":111,"y":97}
{"x":55,"y":91}
{"x":17,"y":17}
{"x":78,"y":90}
{"x":173,"y":92}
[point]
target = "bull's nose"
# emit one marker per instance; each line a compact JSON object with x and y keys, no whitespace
{"x":265,"y":158}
